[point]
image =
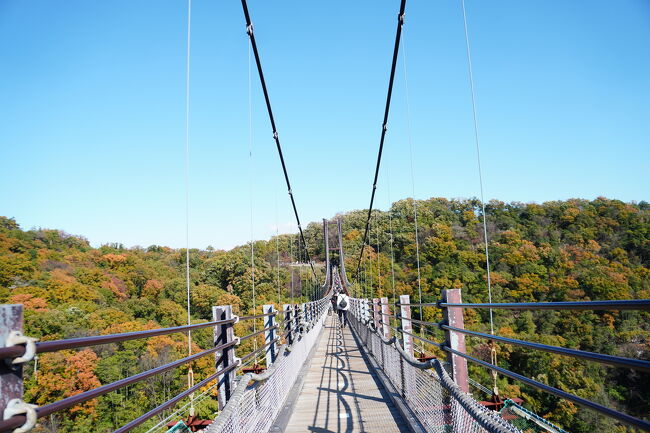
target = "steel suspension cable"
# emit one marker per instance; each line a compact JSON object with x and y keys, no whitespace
{"x":410,"y":139}
{"x":470,"y":74}
{"x":378,"y":264}
{"x":190,"y":372}
{"x":478,"y":157}
{"x":276,"y":137}
{"x":392,"y":252}
{"x":187,"y":171}
{"x":252,"y":170}
{"x":277,"y":251}
{"x":384,"y":127}
{"x":291,"y":264}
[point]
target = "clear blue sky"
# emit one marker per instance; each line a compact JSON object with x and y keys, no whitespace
{"x":92,"y":110}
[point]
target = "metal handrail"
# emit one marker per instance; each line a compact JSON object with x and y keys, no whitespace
{"x":645,"y":425}
{"x":18,"y":420}
{"x":605,"y":359}
{"x":73,"y":343}
{"x":172,"y":401}
{"x":255,"y":352}
{"x":254,"y":334}
{"x":630,"y":304}
{"x":416,"y":336}
{"x":618,"y":361}
{"x":258,"y":316}
{"x":55,"y":345}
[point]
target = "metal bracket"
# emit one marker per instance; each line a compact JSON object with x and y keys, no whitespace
{"x":18,"y":407}
{"x":15,"y":338}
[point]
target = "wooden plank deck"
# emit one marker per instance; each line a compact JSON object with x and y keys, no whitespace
{"x":341,"y":392}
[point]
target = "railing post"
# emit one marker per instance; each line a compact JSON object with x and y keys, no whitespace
{"x":385,"y":319}
{"x":406,"y":324}
{"x":366,"y":311}
{"x":453,"y":316}
{"x":375,"y":313}
{"x":310,"y":312}
{"x":270,"y":334}
{"x":408,"y":381}
{"x":303,"y":317}
{"x":226,"y":357}
{"x":296,"y":321}
{"x":288,"y":323}
{"x":11,"y":377}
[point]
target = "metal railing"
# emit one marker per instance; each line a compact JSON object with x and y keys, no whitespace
{"x":373,"y":316}
{"x":19,"y":349}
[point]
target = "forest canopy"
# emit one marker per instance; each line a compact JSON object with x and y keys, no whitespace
{"x":556,"y":251}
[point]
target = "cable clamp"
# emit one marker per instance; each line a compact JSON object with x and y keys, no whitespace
{"x":400,"y":18}
{"x":237,"y":340}
{"x":385,"y":127}
{"x":18,"y":407}
{"x":275,"y":135}
{"x":237,"y":361}
{"x":16,"y":338}
{"x":236,"y":319}
{"x":249,"y":29}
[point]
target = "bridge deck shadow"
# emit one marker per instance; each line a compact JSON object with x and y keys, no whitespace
{"x":341,"y":393}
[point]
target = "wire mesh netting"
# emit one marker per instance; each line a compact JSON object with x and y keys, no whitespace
{"x":254,"y":405}
{"x":437,"y":403}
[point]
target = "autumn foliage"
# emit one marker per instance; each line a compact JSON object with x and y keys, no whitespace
{"x":556,"y":251}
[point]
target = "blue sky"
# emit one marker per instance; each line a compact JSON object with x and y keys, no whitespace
{"x":92,"y":110}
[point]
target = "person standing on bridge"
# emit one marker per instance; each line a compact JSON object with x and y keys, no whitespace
{"x":342,"y":307}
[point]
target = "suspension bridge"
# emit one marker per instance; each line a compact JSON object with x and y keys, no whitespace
{"x":320,"y":375}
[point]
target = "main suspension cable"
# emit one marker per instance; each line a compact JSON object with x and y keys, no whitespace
{"x":384,"y":126}
{"x":276,"y":137}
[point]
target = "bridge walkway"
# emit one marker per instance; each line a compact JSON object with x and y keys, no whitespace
{"x":341,"y":392}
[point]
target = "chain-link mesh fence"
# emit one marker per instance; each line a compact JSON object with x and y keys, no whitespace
{"x":435,"y":400}
{"x":257,"y":399}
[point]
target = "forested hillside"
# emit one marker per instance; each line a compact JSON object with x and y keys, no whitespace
{"x":556,"y":251}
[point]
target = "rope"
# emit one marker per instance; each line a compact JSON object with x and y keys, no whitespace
{"x":251,"y":37}
{"x":384,"y":126}
{"x":470,"y":73}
